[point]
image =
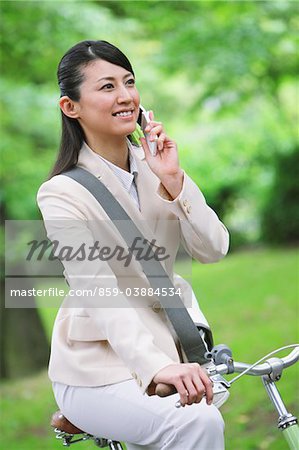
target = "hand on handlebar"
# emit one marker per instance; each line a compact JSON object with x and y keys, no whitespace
{"x":189,"y":380}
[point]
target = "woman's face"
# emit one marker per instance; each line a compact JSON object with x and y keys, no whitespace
{"x":109,"y":100}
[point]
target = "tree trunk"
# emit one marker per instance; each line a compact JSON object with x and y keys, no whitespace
{"x":24,"y":348}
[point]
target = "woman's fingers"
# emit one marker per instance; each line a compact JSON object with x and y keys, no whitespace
{"x":157,"y":132}
{"x":182,"y":391}
{"x":154,"y":129}
{"x":151,"y":115}
{"x":190,"y":381}
{"x":161,"y":141}
{"x":197,"y":385}
{"x":208,"y":385}
{"x":195,"y":390}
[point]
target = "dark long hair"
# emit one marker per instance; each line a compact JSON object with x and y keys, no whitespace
{"x":70,"y":77}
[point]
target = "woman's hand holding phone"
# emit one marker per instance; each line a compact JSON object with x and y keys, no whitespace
{"x":165,"y":164}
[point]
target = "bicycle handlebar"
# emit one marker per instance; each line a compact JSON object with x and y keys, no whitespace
{"x":266,"y":368}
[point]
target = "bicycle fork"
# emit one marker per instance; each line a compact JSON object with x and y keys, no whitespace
{"x":287,"y":423}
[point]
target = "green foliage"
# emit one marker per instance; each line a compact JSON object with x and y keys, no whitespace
{"x":280,"y":217}
{"x":234,"y":49}
{"x":35,"y":35}
{"x":26,"y":145}
{"x":220,"y":75}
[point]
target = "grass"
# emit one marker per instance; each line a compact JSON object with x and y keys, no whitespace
{"x":251,"y":302}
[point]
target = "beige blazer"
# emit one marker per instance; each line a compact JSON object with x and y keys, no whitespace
{"x":102,"y":339}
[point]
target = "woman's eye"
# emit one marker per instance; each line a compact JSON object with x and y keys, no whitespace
{"x":131,"y":81}
{"x":107,"y":86}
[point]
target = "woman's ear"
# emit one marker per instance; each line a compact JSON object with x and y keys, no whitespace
{"x":69,"y":107}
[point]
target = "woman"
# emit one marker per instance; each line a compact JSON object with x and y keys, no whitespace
{"x":108,"y":351}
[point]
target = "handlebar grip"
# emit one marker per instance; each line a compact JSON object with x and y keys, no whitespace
{"x":164,"y":390}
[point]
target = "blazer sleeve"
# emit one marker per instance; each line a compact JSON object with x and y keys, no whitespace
{"x":203,"y":235}
{"x":121,"y":326}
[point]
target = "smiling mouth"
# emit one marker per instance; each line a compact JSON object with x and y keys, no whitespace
{"x":123,"y":113}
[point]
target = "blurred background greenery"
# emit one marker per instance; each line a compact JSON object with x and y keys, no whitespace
{"x":223,"y":77}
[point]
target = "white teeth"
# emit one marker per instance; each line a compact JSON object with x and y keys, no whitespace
{"x":125,"y":113}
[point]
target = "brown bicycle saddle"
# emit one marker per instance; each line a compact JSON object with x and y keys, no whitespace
{"x":61,"y":423}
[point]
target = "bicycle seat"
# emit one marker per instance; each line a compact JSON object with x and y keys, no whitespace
{"x":61,"y":423}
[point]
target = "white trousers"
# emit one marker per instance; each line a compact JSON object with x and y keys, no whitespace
{"x":120,"y":412}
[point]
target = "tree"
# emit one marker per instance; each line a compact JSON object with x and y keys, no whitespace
{"x":281,"y":212}
{"x":239,"y":63}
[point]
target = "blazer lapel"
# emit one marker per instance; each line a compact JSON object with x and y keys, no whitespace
{"x":143,"y":218}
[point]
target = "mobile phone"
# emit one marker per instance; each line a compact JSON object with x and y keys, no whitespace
{"x":145,"y":119}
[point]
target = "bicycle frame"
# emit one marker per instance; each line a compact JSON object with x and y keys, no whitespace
{"x":287,"y":423}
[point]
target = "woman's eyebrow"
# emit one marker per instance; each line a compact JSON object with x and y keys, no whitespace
{"x":129,"y":74}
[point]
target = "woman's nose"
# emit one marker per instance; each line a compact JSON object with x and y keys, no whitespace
{"x":124,"y":95}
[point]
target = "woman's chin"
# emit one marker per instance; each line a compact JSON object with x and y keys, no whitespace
{"x":129,"y":130}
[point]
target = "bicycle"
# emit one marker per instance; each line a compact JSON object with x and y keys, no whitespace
{"x":221,"y":363}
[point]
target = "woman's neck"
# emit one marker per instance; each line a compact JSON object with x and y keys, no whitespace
{"x":114,"y":149}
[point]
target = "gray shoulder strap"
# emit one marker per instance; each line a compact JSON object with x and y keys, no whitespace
{"x":184,"y":326}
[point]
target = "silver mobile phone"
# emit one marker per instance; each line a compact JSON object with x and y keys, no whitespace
{"x":144,"y":122}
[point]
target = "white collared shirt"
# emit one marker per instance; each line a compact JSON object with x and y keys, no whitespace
{"x":127,"y":179}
